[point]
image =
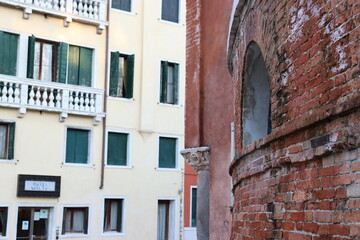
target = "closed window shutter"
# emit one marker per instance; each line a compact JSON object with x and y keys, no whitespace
{"x":86,"y":220}
{"x":167,"y":152}
{"x":11,"y":140}
{"x":8,"y":53}
{"x":62,"y":62}
{"x":82,"y":143}
{"x":130,"y":76}
{"x":64,"y":221}
{"x":174,"y":10}
{"x":114,"y":73}
{"x":5,"y":218}
{"x":73,"y":67}
{"x":13,"y":43}
{"x":31,"y":54}
{"x":85,"y":67}
{"x":119,"y":215}
{"x":176,"y":83}
{"x":117,"y":149}
{"x":165,"y":11}
{"x":163,"y":79}
{"x":193,"y":207}
{"x":70,"y":145}
{"x":125,"y":5}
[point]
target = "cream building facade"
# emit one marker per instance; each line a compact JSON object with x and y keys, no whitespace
{"x":91,"y":119}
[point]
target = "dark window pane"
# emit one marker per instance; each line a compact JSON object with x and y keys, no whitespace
{"x":167,"y":152}
{"x":117,"y":149}
{"x":193,"y":206}
{"x":124,"y":5}
{"x":170,"y":10}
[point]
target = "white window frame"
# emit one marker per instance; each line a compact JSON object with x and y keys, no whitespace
{"x":7,"y":221}
{"x":128,"y":148}
{"x":179,"y":102}
{"x":191,"y":203}
{"x":108,"y":77}
{"x":132,"y":8}
{"x":173,"y":216}
{"x":179,"y":23}
{"x":90,"y":143}
{"x":177,"y":153}
{"x":52,"y":214}
{"x":123,"y":222}
{"x":75,"y":235}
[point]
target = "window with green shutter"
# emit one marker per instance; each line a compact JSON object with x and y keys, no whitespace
{"x":3,"y":220}
{"x":79,"y":66}
{"x":8,"y":53}
{"x":121,"y":75}
{"x":167,"y":152}
{"x":117,"y":149}
{"x":113,"y":215}
{"x":124,"y":5}
{"x":77,"y":146}
{"x":169,"y":86}
{"x":7,"y":138}
{"x":170,"y":10}
{"x":193,"y":206}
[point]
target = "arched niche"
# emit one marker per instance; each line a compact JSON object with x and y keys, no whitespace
{"x":256,"y":107}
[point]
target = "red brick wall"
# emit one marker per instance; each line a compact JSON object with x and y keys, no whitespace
{"x":302,"y":181}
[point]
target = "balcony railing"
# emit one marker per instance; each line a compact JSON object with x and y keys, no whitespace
{"x":53,"y":97}
{"x":87,"y":11}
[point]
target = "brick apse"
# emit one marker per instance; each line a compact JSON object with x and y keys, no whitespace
{"x":296,"y":171}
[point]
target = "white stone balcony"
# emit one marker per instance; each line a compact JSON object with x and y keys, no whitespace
{"x":38,"y":95}
{"x":87,"y":11}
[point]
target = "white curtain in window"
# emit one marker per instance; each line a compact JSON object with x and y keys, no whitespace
{"x":46,"y":71}
{"x":121,"y":77}
{"x":114,"y":213}
{"x":161,"y":229}
{"x":67,"y":221}
{"x":37,"y":61}
{"x":170,"y":85}
{"x":78,"y":224}
{"x":2,"y":141}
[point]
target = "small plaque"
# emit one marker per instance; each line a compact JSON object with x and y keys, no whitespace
{"x":38,"y":186}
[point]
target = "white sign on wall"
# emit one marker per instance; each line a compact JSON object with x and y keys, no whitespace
{"x":42,"y":186}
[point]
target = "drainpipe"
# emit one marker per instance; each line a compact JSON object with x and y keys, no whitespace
{"x":105,"y":96}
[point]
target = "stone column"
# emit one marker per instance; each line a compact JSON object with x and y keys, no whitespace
{"x":198,"y":158}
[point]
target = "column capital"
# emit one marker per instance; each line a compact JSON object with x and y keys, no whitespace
{"x":197,"y":158}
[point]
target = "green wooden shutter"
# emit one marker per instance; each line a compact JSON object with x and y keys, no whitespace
{"x":86,"y":219}
{"x":106,"y":212}
{"x":176,"y":83}
{"x":5,"y":220}
{"x":85,"y":67}
{"x":114,"y":73}
{"x":62,"y":62}
{"x":13,"y":44}
{"x":167,"y":152}
{"x":8,"y":53}
{"x":193,"y":206}
{"x":163,"y":79}
{"x":125,"y":5}
{"x":117,"y":149}
{"x":130,"y":76}
{"x":64,"y":221}
{"x":82,"y":146}
{"x":70,"y":146}
{"x":11,"y":141}
{"x":73,"y":67}
{"x":31,"y":55}
{"x":119,"y":215}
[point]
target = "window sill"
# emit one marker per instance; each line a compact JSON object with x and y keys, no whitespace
{"x":178,"y":24}
{"x":113,"y":234}
{"x":8,"y":161}
{"x":170,"y":105}
{"x":121,"y":99}
{"x":131,"y":13}
{"x":119,"y":167}
{"x":168,"y":169}
{"x":78,"y":165}
{"x":74,"y":235}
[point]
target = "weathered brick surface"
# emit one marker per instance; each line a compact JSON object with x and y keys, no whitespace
{"x":302,"y":181}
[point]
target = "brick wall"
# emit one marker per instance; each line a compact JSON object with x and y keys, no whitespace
{"x":302,"y":181}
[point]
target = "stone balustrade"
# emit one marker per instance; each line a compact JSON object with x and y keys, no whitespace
{"x":49,"y":96}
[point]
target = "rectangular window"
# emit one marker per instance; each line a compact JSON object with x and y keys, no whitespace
{"x":7,"y":137}
{"x":170,"y":10}
{"x":3,"y":220}
{"x":113,"y":215}
{"x":117,"y":149}
{"x":45,"y":57}
{"x":124,"y":5}
{"x":167,"y":152}
{"x":75,"y":220}
{"x":8,"y":53}
{"x":193,"y":206}
{"x":121,"y":75}
{"x":80,"y":66}
{"x":77,"y":146}
{"x":166,"y":220}
{"x":169,"y":82}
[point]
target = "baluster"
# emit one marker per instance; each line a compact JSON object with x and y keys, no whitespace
{"x":76,"y":100}
{"x":45,"y":97}
{"x":37,"y":3}
{"x":75,"y":7}
{"x":50,"y":4}
{"x":92,"y":103}
{"x":51,"y":98}
{"x":86,"y":8}
{"x":71,"y":100}
{"x":87,"y":101}
{"x":17,"y":93}
{"x":31,"y":96}
{"x":91,"y":9}
{"x":42,"y":3}
{"x":58,"y":99}
{"x":4,"y":92}
{"x":81,"y":8}
{"x":10,"y":93}
{"x":82,"y":100}
{"x":62,"y":5}
{"x":96,"y":10}
{"x":37,"y":95}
